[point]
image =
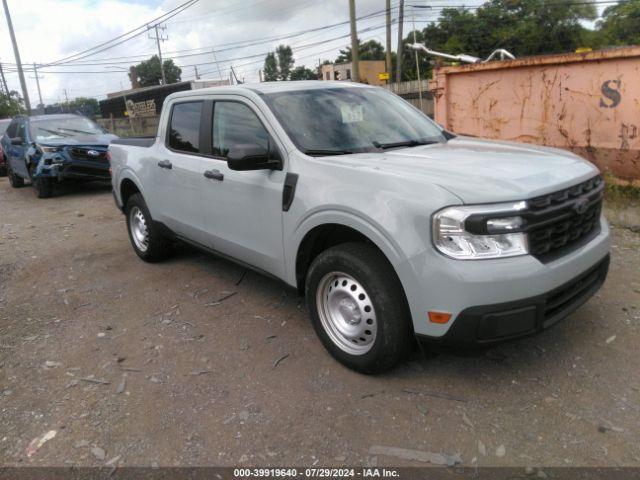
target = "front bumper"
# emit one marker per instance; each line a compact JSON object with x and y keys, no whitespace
{"x":488,"y":324}
{"x":78,"y":170}
{"x":469,"y":290}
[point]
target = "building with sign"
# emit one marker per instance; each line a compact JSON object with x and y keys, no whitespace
{"x":147,"y":101}
{"x":370,"y":72}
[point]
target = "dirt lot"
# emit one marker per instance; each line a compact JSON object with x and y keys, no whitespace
{"x":192,"y":362}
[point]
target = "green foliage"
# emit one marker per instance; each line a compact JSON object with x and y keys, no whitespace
{"x":285,"y":61}
{"x":303,"y":73}
{"x":620,"y":24}
{"x":149,"y":73}
{"x":524,"y":27}
{"x":11,"y":105}
{"x":370,"y":50}
{"x":88,"y":106}
{"x":270,"y":68}
{"x":278,"y":65}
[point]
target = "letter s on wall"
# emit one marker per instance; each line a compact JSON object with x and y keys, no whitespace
{"x":612,"y":93}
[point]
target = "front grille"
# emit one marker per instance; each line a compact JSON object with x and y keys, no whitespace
{"x":561,"y":221}
{"x":82,"y":153}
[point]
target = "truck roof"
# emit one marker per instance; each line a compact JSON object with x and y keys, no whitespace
{"x":272,"y":87}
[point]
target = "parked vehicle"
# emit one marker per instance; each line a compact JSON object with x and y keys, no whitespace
{"x":3,"y":163}
{"x":393,"y":228}
{"x":45,"y":149}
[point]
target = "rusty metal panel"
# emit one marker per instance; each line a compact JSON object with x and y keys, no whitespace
{"x":588,"y":103}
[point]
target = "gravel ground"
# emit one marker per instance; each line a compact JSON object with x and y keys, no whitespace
{"x":194,"y":362}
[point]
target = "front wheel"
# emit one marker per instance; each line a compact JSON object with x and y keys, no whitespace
{"x":358,"y":308}
{"x":147,"y":241}
{"x":43,"y":187}
{"x":14,"y":180}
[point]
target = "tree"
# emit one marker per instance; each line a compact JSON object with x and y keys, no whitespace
{"x":270,"y":68}
{"x":370,"y":50}
{"x":620,"y":24}
{"x":87,"y":106}
{"x":11,"y":105}
{"x":285,"y":61}
{"x":524,"y":27}
{"x":278,"y":64}
{"x":303,"y":73}
{"x":149,"y":73}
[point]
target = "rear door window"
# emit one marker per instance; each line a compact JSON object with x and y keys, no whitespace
{"x":184,"y":128}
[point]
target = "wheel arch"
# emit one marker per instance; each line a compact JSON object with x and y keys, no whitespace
{"x":321,"y":234}
{"x":127,"y":188}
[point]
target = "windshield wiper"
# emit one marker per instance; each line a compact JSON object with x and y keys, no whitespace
{"x":77,"y":131}
{"x":408,"y":143}
{"x":322,"y":153}
{"x":55,"y":132}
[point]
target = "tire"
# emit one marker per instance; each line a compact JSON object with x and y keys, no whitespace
{"x":147,"y":241}
{"x":14,"y":180}
{"x":43,"y":187}
{"x":358,"y":308}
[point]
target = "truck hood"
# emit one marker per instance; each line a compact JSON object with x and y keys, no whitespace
{"x":482,"y":171}
{"x":103,"y":139}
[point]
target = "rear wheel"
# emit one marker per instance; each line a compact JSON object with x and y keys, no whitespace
{"x":14,"y":180}
{"x":147,"y":241}
{"x":358,"y":308}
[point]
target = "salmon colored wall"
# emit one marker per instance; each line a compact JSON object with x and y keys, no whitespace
{"x":588,"y":103}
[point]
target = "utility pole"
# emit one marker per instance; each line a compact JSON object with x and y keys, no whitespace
{"x":67,"y":98}
{"x":215,"y":59}
{"x":4,"y":81}
{"x":355,"y":68}
{"x":35,"y":71}
{"x":16,"y":52}
{"x":399,"y":54}
{"x":413,"y":21}
{"x":196,"y":70}
{"x":389,"y":67}
{"x":233,"y":72}
{"x":159,"y":37}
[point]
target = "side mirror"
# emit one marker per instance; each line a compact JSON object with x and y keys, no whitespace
{"x":17,"y":141}
{"x":248,"y":156}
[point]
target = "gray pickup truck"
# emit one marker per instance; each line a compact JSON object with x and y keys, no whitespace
{"x":393,"y":228}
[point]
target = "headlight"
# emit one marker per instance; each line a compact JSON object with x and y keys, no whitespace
{"x":480,"y":231}
{"x":50,"y":149}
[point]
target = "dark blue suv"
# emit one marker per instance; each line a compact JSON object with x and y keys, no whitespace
{"x":45,"y":149}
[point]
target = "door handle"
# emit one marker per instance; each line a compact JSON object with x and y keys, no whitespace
{"x":165,"y":164}
{"x":214,"y":174}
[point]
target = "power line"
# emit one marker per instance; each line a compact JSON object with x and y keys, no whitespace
{"x":142,"y":28}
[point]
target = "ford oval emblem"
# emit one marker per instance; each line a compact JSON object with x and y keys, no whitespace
{"x":581,"y":206}
{"x":93,"y":153}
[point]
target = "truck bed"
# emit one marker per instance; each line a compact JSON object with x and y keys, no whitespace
{"x":135,"y":141}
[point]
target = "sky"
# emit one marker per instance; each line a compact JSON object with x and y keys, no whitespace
{"x":206,"y":35}
{"x":49,"y":30}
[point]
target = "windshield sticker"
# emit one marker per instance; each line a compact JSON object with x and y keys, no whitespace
{"x":352,"y":113}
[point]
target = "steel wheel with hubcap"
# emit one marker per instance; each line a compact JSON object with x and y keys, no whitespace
{"x":358,"y":307}
{"x":146,"y":238}
{"x":346,"y":312}
{"x":139,"y":231}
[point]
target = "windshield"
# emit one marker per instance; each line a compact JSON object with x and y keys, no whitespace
{"x":4,"y":124}
{"x":63,"y":127}
{"x":334,"y":121}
